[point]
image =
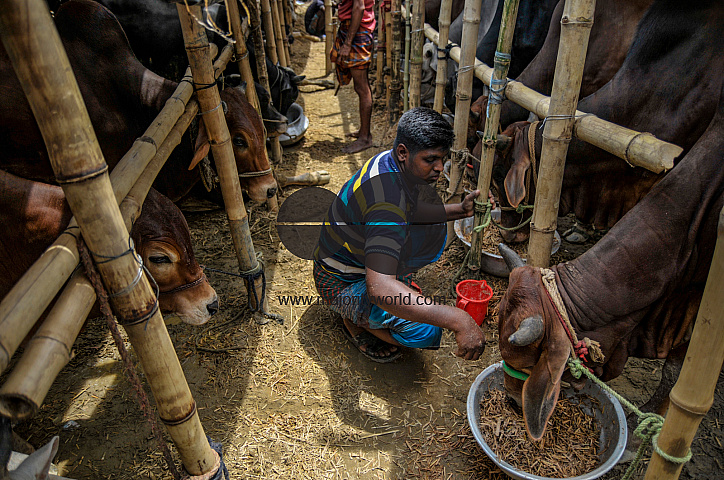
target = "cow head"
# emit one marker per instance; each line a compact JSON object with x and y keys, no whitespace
{"x":274,"y":122}
{"x":533,"y":341}
{"x":248,"y":142}
{"x":161,"y":236}
{"x":284,"y":85}
{"x":510,"y":169}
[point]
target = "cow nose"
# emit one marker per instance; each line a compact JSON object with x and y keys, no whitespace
{"x":213,"y":307}
{"x":271,"y":192}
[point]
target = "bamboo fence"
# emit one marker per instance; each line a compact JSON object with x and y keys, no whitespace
{"x":44,"y":72}
{"x":197,"y":47}
{"x":638,"y":149}
{"x":268,"y":22}
{"x":283,"y":27}
{"x":416,"y":43}
{"x":395,"y":80}
{"x":441,"y":77}
{"x":492,"y":123}
{"x":576,"y":23}
{"x":329,"y":33}
{"x":278,"y":35}
{"x":388,"y":55}
{"x":381,"y":48}
{"x":242,"y":55}
{"x":406,"y":76}
{"x":693,"y":394}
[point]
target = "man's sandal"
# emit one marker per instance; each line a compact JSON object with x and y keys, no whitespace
{"x":373,"y":346}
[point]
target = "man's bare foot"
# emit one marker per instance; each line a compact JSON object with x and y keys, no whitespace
{"x":369,"y":345}
{"x":352,"y":134}
{"x":358,"y":145}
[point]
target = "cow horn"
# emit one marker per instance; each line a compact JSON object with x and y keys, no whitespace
{"x":530,"y":330}
{"x":512,"y":259}
{"x":502,"y":142}
{"x":225,"y":107}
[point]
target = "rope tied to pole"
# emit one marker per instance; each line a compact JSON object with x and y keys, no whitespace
{"x":445,"y":50}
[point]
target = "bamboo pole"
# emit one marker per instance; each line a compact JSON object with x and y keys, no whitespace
{"x":329,"y":33}
{"x":268,"y":22}
{"x":406,"y":80}
{"x":576,"y":23}
{"x":48,"y":351}
{"x":471,"y":20}
{"x":416,"y":43}
{"x":441,"y":78}
{"x":278,"y":35}
{"x":388,"y":55}
{"x":693,"y":394}
{"x":76,"y":158}
{"x":381,"y":48}
{"x":242,"y":55}
{"x":638,"y":149}
{"x":395,"y":80}
{"x":492,"y":122}
{"x":197,"y":47}
{"x":283,"y":27}
{"x":32,"y":294}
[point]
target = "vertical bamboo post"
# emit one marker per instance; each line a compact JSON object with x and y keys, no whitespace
{"x":406,"y":81}
{"x":242,"y":55}
{"x":278,"y":35}
{"x":283,"y":27}
{"x":576,"y":23}
{"x":693,"y":394}
{"x":395,"y":83}
{"x":441,"y":78}
{"x":268,"y":21}
{"x":197,"y":48}
{"x":381,"y":48}
{"x":28,"y":34}
{"x":416,"y":43}
{"x":471,"y":20}
{"x":388,"y":51}
{"x":329,"y":34}
{"x":492,"y":121}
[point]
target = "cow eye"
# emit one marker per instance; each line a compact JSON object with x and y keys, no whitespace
{"x":239,"y":141}
{"x":159,"y":259}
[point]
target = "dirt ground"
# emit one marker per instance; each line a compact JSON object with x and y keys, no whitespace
{"x":296,"y":400}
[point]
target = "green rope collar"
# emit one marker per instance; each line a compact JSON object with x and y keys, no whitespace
{"x":485,"y":209}
{"x":515,"y":373}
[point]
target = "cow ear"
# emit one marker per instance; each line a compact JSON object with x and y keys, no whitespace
{"x":515,"y":179}
{"x":541,"y":389}
{"x":202,"y":146}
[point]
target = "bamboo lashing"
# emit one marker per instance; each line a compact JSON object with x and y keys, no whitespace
{"x":395,"y":79}
{"x":576,"y":23}
{"x":638,"y":149}
{"x":242,"y":55}
{"x":693,"y":394}
{"x":283,"y":26}
{"x":53,"y":94}
{"x":32,"y":294}
{"x":406,"y":76}
{"x":197,"y":47}
{"x":471,"y":20}
{"x":417,"y":40}
{"x":381,"y":48}
{"x":441,"y":77}
{"x":48,"y":351}
{"x":278,"y":35}
{"x":268,"y":21}
{"x":329,"y":34}
{"x":492,"y":123}
{"x":388,"y":52}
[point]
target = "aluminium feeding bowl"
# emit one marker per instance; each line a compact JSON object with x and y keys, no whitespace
{"x":491,"y":263}
{"x":297,"y":126}
{"x":609,"y":415}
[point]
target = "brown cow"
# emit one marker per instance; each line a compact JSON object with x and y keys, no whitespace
{"x":122,"y":97}
{"x":38,"y":214}
{"x":636,"y":292}
{"x":668,"y":85}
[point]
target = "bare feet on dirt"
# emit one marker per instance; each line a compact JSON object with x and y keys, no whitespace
{"x":358,"y":145}
{"x":352,"y":134}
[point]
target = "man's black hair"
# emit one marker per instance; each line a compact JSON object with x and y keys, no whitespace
{"x":422,"y":128}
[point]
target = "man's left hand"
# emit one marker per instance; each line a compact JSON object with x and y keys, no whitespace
{"x":345,"y":51}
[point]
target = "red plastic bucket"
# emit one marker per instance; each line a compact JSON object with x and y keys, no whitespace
{"x":473,"y":297}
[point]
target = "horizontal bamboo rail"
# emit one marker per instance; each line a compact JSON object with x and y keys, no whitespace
{"x":32,"y":294}
{"x":638,"y":149}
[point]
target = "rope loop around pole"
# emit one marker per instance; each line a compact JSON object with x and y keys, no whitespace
{"x":497,"y":90}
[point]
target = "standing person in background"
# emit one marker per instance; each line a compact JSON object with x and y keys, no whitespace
{"x":352,"y":53}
